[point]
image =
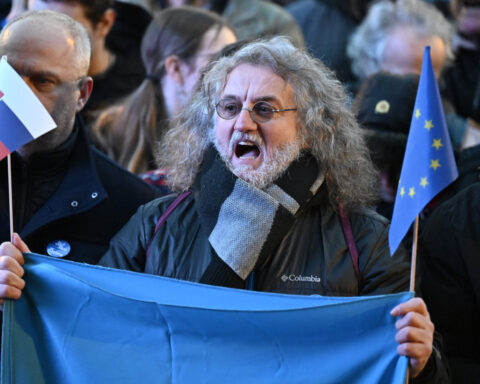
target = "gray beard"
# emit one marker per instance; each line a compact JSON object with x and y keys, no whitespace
{"x":279,"y":159}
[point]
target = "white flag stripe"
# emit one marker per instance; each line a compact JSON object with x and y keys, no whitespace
{"x":23,"y":102}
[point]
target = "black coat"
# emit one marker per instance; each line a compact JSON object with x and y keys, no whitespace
{"x":94,"y":199}
{"x":449,"y":256}
{"x":313,"y":257}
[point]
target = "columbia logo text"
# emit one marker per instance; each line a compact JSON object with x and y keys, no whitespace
{"x":292,"y":277}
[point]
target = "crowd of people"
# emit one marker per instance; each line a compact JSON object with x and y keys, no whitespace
{"x":264,"y":134}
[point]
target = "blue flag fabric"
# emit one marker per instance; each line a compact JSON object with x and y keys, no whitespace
{"x":77,"y":323}
{"x":428,"y":165}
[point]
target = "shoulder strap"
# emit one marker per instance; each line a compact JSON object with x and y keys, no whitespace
{"x":348,"y":234}
{"x":175,"y":203}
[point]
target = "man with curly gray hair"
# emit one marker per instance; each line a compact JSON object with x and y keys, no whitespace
{"x":274,"y":181}
{"x":272,"y":160}
{"x":393,"y":35}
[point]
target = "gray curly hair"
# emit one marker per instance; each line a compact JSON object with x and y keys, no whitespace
{"x":367,"y":45}
{"x":323,"y":118}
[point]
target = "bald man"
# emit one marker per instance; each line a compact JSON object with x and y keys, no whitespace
{"x":116,"y":65}
{"x":69,"y":199}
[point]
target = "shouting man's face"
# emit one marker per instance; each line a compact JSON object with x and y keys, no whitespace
{"x":259,"y":145}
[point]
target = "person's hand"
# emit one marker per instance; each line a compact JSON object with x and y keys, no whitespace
{"x":414,"y":333}
{"x":11,"y":271}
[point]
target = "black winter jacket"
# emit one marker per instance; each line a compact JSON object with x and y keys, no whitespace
{"x":449,"y":257}
{"x":94,"y":199}
{"x":312,"y":259}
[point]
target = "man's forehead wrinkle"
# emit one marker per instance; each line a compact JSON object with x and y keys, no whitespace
{"x":253,"y":83}
{"x":253,"y":91}
{"x":235,"y":87}
{"x":28,"y":69}
{"x":263,"y":97}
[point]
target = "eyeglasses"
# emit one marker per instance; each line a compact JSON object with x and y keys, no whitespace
{"x":261,"y":111}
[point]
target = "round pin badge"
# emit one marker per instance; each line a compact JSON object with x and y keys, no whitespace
{"x":58,"y":248}
{"x":383,"y":106}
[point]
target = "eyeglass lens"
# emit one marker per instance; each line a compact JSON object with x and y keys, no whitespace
{"x":260,"y":112}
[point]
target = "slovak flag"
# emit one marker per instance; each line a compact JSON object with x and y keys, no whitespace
{"x":23,"y":118}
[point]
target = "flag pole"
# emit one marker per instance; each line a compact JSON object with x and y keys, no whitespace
{"x":33,"y":122}
{"x":413,"y":266}
{"x":10,"y":195}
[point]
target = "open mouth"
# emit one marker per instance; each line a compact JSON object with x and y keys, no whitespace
{"x":247,"y":150}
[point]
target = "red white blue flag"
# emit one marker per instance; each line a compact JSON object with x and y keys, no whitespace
{"x":23,"y":118}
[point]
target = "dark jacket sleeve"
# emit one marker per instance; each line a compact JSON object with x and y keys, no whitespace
{"x":437,"y":370}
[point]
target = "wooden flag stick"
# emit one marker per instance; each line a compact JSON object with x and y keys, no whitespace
{"x":413,"y":267}
{"x":10,"y":195}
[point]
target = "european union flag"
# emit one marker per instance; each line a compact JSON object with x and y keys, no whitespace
{"x":428,"y":165}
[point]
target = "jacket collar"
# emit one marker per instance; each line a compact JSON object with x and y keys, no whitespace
{"x":79,"y":191}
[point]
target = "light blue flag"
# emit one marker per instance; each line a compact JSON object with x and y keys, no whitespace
{"x":428,"y":165}
{"x":77,"y":323}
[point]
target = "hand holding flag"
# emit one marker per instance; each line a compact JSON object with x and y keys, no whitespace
{"x":428,"y":165}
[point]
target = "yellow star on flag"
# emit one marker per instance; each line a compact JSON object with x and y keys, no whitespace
{"x":423,"y":182}
{"x":417,"y":113}
{"x":402,"y":191}
{"x":411,"y":192}
{"x":428,"y":124}
{"x":437,"y":143}
{"x":434,"y":164}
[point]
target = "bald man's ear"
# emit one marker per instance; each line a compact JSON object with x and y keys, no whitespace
{"x":85,"y":86}
{"x":106,"y":23}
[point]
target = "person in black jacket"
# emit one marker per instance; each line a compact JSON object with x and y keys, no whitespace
{"x":268,"y":152}
{"x":449,"y":256}
{"x":69,"y":199}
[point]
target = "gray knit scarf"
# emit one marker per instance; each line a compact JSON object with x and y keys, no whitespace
{"x":246,"y":224}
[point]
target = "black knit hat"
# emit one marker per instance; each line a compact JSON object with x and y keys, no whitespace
{"x":384,"y":106}
{"x":385,"y":102}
